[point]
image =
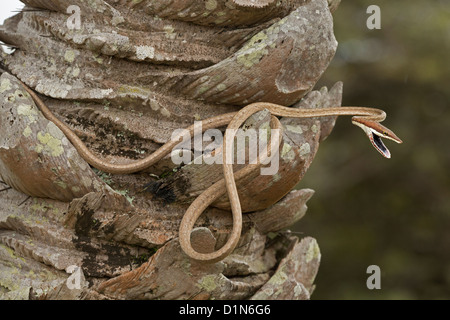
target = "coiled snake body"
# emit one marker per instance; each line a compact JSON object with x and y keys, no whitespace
{"x":366,"y":118}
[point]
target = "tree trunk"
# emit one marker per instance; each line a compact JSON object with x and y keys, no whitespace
{"x":124,"y":75}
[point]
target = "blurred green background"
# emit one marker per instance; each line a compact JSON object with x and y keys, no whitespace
{"x":367,"y":209}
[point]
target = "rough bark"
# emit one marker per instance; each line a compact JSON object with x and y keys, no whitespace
{"x":133,"y":73}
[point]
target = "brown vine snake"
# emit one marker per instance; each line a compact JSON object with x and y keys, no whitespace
{"x":366,"y":118}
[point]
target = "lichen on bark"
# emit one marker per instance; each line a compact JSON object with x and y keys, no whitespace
{"x":132,"y":74}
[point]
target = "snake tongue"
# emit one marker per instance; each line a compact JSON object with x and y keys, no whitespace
{"x":379,"y":145}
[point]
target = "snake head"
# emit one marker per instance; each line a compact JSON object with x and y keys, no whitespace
{"x":375,"y":131}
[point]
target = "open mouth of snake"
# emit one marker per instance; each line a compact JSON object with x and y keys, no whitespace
{"x":379,"y":145}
